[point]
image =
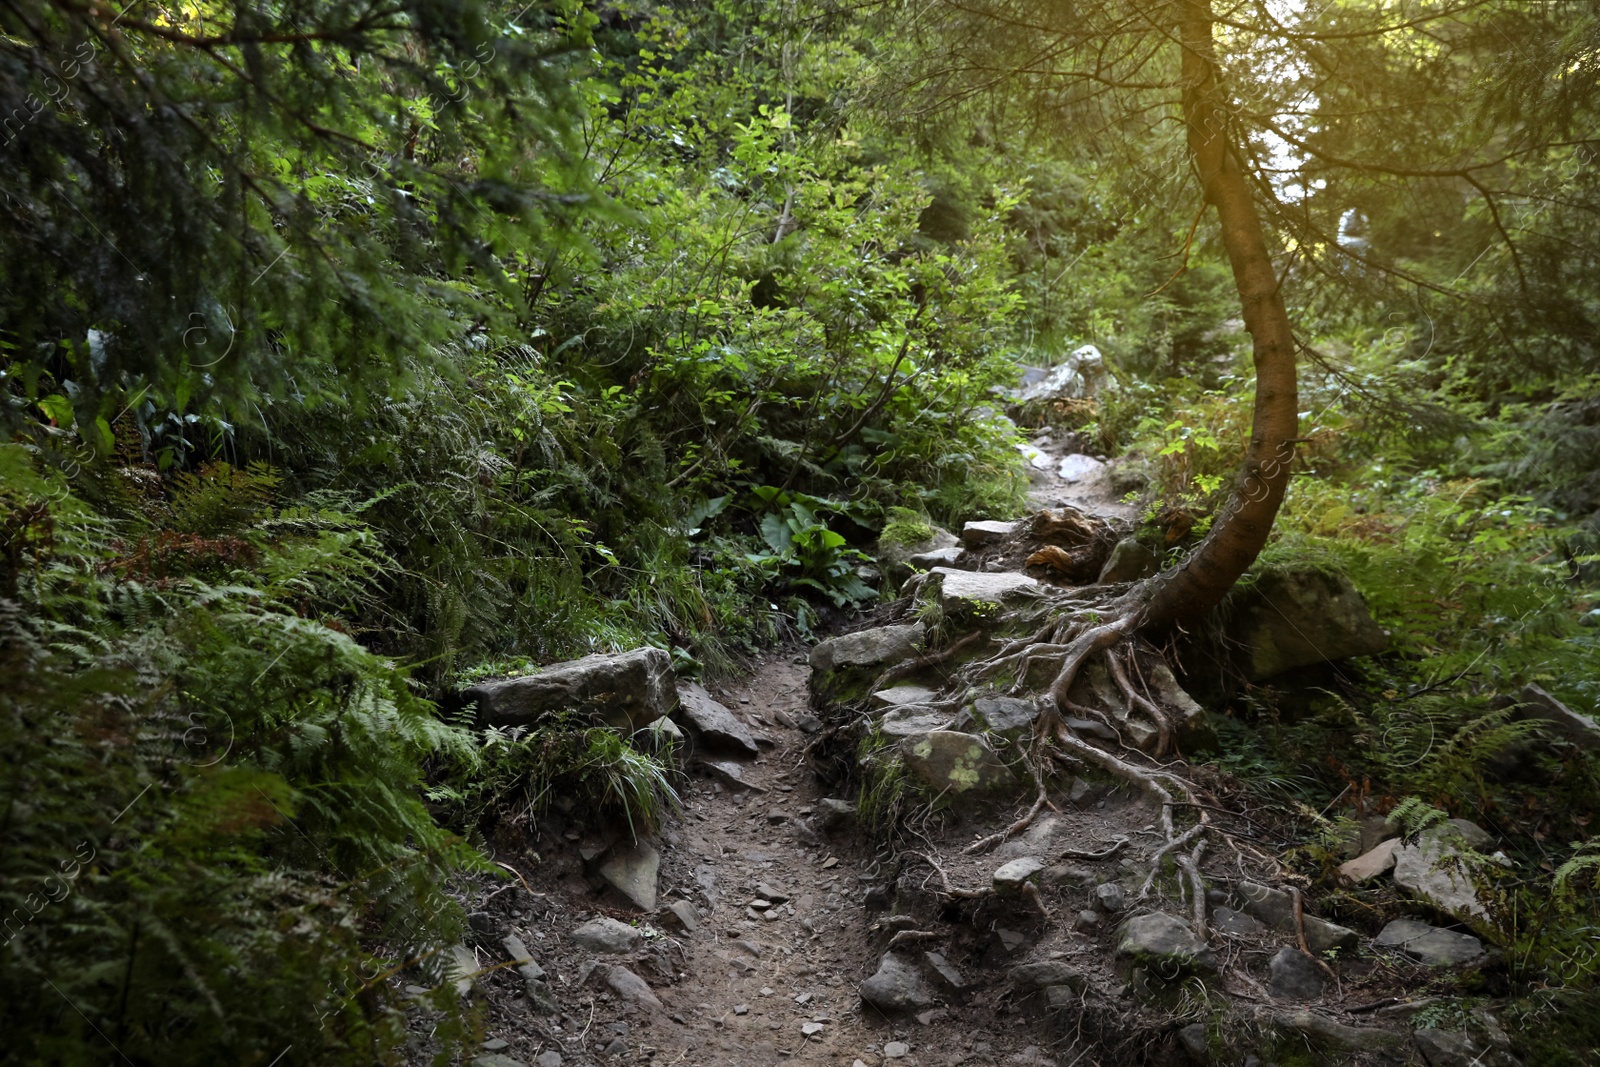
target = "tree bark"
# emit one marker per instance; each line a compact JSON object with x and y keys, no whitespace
{"x":1197,"y":585}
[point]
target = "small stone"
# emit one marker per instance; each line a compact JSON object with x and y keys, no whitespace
{"x":1011,"y":877}
{"x":1061,"y":998}
{"x":1295,"y":976}
{"x":1028,"y":977}
{"x":946,"y":972}
{"x":1236,"y":923}
{"x":684,"y":914}
{"x":496,"y":1059}
{"x":1011,"y":939}
{"x":777,"y":815}
{"x":1164,"y":942}
{"x":495,"y":1044}
{"x":777,"y":896}
{"x":741,"y":1009}
{"x":803,"y":998}
{"x":830,"y":863}
{"x":811,"y":1029}
{"x":1369,"y":864}
{"x":711,"y":723}
{"x":607,"y":935}
{"x":979,"y":534}
{"x":1193,"y":1040}
{"x":896,"y":986}
{"x":1109,"y":896}
{"x":1087,"y":922}
{"x":551,"y":1058}
{"x":895,"y":1050}
{"x":632,"y":988}
{"x":833,"y":813}
{"x":767,"y":991}
{"x":632,"y":870}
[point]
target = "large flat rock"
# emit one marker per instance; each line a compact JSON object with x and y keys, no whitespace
{"x":627,"y":690}
{"x":910,"y":720}
{"x":1429,"y":945}
{"x":963,"y":589}
{"x":712,"y":724}
{"x":882,"y":646}
{"x":986,"y":532}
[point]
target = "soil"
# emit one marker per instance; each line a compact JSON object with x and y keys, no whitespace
{"x":739,"y":990}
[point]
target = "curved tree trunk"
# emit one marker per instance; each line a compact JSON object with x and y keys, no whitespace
{"x":1240,"y":531}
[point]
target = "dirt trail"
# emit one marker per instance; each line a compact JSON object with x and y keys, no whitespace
{"x":752,"y":985}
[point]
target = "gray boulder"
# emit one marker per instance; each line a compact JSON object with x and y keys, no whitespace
{"x":712,"y":724}
{"x":898,"y":557}
{"x":1079,"y":467}
{"x":632,"y":989}
{"x":842,"y":668}
{"x":1165,"y":945}
{"x":947,"y":760}
{"x":897,"y":986}
{"x":1431,"y":946}
{"x":1130,"y":561}
{"x":1011,"y":877}
{"x":1298,"y":617}
{"x":540,"y":995}
{"x":1080,"y":376}
{"x":903,"y":695}
{"x":626,"y":690}
{"x":1436,"y":869}
{"x":910,"y":720}
{"x":1539,"y":706}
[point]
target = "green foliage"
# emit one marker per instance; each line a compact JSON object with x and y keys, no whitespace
{"x":904,"y":528}
{"x":212,"y":788}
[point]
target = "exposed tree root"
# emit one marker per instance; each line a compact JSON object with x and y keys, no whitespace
{"x":931,"y":659}
{"x":1041,"y":802}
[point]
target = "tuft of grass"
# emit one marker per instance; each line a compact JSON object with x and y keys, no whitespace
{"x":520,"y":773}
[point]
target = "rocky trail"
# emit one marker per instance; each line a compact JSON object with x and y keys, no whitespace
{"x":1121,"y":912}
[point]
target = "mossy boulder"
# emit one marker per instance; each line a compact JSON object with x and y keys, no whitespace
{"x":945,"y":760}
{"x":844,"y":668}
